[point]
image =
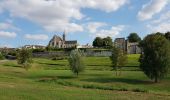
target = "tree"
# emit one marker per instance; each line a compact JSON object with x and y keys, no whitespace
{"x":98,"y":42}
{"x":1,"y":56}
{"x":133,"y":37}
{"x":118,"y":58}
{"x":24,"y":57}
{"x":107,"y":42}
{"x":155,"y":60}
{"x":167,"y":35}
{"x":76,"y":61}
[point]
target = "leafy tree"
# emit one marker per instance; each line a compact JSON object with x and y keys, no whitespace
{"x":134,"y":37}
{"x":98,"y":42}
{"x":167,"y":35}
{"x":118,"y":58}
{"x":1,"y":56}
{"x":76,"y":61}
{"x":155,"y":60}
{"x":107,"y":42}
{"x":24,"y":57}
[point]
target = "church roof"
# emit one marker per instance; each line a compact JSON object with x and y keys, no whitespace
{"x":71,"y":42}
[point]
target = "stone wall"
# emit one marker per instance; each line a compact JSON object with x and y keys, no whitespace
{"x":90,"y":53}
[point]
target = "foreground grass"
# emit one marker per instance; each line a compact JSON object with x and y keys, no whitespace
{"x":44,"y":81}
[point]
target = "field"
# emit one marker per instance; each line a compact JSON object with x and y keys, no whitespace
{"x":52,"y":80}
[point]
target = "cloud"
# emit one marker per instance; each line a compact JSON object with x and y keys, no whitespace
{"x":115,"y":30}
{"x":162,"y":24}
{"x":4,"y":26}
{"x":97,"y":30}
{"x":94,"y":26}
{"x":151,"y":8}
{"x":58,"y":15}
{"x":4,"y":34}
{"x":36,"y":36}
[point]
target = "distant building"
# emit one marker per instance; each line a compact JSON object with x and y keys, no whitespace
{"x":133,"y":48}
{"x":34,"y":47}
{"x":120,"y":43}
{"x":59,"y":42}
{"x":125,"y":45}
{"x":85,"y":46}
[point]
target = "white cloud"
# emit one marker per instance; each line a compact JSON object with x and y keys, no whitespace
{"x":94,"y":26}
{"x":112,"y":32}
{"x":4,"y":26}
{"x":161,"y":24}
{"x":36,"y":36}
{"x":151,"y":8}
{"x":4,"y":34}
{"x":57,"y":15}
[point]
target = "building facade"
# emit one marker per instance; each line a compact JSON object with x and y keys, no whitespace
{"x":125,"y":45}
{"x":59,"y":42}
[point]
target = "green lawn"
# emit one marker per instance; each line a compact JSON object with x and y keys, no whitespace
{"x":51,"y":80}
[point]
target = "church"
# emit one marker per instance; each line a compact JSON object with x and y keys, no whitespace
{"x":59,"y":42}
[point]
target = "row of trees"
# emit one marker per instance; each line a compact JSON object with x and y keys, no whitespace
{"x":103,"y":42}
{"x":108,"y":43}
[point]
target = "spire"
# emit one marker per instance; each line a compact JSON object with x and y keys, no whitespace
{"x":64,"y":35}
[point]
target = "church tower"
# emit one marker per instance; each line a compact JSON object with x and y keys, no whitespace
{"x":64,"y":36}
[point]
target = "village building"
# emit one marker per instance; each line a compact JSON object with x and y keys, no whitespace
{"x":129,"y":47}
{"x":58,"y":42}
{"x":34,"y":47}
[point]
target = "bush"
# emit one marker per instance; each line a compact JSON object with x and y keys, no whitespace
{"x":24,"y":57}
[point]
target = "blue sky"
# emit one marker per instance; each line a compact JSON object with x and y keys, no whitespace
{"x":25,"y":22}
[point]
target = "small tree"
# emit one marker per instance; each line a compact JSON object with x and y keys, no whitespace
{"x":118,"y":58}
{"x":76,"y":61}
{"x":1,"y":56}
{"x":155,"y":60}
{"x":134,"y":37}
{"x":24,"y":57}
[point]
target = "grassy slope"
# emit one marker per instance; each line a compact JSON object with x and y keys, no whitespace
{"x":16,"y":83}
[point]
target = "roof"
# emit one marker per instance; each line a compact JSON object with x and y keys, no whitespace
{"x":71,"y":42}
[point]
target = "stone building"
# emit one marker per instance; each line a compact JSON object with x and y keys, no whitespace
{"x":125,"y":45}
{"x":59,"y":42}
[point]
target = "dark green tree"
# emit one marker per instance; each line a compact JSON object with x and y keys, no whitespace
{"x":155,"y":60}
{"x":76,"y":61}
{"x":118,"y":58}
{"x":107,"y":42}
{"x":167,"y":35}
{"x":134,"y":37}
{"x":24,"y":57}
{"x":98,"y":42}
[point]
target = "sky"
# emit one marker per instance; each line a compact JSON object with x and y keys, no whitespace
{"x":34,"y":22}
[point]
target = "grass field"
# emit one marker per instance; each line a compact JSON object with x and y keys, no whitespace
{"x":52,"y":80}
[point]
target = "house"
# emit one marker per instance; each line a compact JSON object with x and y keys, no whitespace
{"x":59,"y":42}
{"x":34,"y":47}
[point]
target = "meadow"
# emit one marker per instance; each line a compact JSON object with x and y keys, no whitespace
{"x":52,"y":80}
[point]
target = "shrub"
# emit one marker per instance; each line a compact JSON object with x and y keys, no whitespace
{"x":24,"y":57}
